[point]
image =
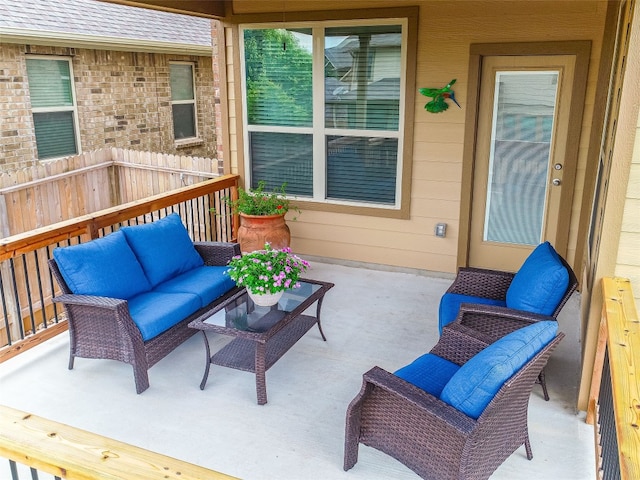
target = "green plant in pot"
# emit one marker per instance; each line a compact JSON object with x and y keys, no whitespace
{"x":267,"y":273}
{"x":262,"y":217}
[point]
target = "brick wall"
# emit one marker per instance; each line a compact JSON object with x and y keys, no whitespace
{"x":123,"y":100}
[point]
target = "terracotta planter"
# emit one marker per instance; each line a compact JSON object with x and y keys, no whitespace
{"x":255,"y":230}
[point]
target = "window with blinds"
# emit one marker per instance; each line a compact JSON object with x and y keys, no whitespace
{"x":183,"y":100}
{"x":324,"y":110}
{"x":53,"y":106}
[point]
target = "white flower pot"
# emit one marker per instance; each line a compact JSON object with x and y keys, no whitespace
{"x":265,"y":299}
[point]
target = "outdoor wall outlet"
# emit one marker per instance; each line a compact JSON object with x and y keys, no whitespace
{"x":441,"y":229}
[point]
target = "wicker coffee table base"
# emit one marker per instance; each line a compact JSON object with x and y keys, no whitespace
{"x":257,"y":357}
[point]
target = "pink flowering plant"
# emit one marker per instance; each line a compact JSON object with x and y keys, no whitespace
{"x":268,"y":270}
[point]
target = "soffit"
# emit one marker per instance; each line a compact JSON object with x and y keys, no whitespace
{"x":201,"y":8}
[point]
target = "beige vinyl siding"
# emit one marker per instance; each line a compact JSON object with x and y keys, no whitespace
{"x":446,"y":31}
{"x":628,"y":262}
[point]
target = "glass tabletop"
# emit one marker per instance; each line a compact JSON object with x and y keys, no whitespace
{"x":242,"y":314}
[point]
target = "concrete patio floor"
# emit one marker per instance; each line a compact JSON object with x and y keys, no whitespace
{"x":370,"y":317}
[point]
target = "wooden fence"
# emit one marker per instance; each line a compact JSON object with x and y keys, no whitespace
{"x":71,"y":187}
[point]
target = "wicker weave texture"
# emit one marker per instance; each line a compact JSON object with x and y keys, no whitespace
{"x":101,"y":327}
{"x":432,"y":438}
{"x":493,"y":322}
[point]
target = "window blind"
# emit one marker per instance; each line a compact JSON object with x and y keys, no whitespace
{"x":55,"y":134}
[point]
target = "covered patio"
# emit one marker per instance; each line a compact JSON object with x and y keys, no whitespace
{"x":371,"y":317}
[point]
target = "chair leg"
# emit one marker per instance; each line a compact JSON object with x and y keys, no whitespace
{"x":543,"y":382}
{"x":352,"y":436}
{"x":141,"y":377}
{"x":527,"y":447}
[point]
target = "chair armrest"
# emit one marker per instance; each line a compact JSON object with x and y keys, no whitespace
{"x":421,"y":399}
{"x":217,"y":253}
{"x":459,"y":343}
{"x":480,"y":282}
{"x":495,"y":322}
{"x":89,"y":301}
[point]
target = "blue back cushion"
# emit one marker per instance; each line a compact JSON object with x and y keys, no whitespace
{"x":473,"y":386}
{"x":105,"y":267}
{"x":450,"y":305}
{"x":428,"y":372}
{"x":540,"y":283}
{"x":163,"y":248}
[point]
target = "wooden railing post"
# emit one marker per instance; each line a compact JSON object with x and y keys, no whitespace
{"x":619,"y":342}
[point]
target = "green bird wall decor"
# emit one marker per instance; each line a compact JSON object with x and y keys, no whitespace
{"x":439,"y":95}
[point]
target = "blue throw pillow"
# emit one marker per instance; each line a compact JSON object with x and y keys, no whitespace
{"x":428,"y":372}
{"x":540,"y":283}
{"x":450,"y":305}
{"x":473,"y":386}
{"x":163,"y":248}
{"x":105,"y":267}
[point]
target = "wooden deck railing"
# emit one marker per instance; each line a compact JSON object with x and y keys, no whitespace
{"x":68,"y":452}
{"x":27,"y":315}
{"x":615,"y":390}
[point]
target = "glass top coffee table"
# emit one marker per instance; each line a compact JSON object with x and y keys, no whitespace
{"x":261,"y":334}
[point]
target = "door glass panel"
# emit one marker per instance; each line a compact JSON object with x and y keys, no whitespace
{"x":523,"y":115}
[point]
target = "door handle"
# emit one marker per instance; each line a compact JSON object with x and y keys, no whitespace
{"x":556,"y":181}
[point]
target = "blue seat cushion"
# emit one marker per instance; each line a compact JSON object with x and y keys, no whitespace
{"x":540,"y":283}
{"x":208,"y":283}
{"x":475,"y":384}
{"x":428,"y":372}
{"x":450,"y":305}
{"x":163,"y":248}
{"x":105,"y":267}
{"x":156,"y":312}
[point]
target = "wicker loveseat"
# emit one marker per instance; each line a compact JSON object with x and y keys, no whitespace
{"x":130,"y":295}
{"x":457,"y":412}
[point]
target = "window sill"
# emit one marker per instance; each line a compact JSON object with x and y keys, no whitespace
{"x":188,"y":142}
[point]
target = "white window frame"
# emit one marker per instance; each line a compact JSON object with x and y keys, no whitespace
{"x":73,"y":108}
{"x":193,"y":102}
{"x":318,"y":129}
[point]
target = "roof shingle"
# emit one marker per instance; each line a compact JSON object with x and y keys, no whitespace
{"x":91,"y":17}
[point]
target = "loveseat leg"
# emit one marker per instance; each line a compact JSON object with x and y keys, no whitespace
{"x":527,"y":447}
{"x":71,"y":359}
{"x":142,"y":379}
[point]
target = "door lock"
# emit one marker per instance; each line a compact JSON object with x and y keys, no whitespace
{"x":556,"y":181}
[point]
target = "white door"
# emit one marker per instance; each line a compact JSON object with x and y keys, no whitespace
{"x":519,"y":165}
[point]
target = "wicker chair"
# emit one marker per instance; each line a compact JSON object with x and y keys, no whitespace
{"x":492,"y":322}
{"x":431,"y":437}
{"x":101,"y":327}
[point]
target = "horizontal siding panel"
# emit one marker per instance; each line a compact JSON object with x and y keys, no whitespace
{"x":439,"y":132}
{"x":629,"y":249}
{"x":438,"y":171}
{"x":438,"y":152}
{"x":633,"y":189}
{"x":631,"y":217}
{"x":436,"y":190}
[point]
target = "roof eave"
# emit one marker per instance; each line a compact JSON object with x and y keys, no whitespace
{"x":97,"y":42}
{"x":209,"y":8}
